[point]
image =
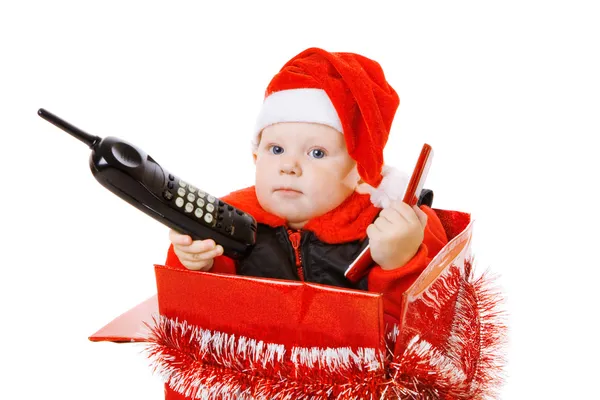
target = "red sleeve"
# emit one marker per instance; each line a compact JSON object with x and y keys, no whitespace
{"x":222,"y":264}
{"x":392,"y":283}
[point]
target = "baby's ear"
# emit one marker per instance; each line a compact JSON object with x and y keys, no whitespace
{"x":255,"y":144}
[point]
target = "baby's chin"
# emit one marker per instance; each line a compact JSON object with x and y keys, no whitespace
{"x":289,"y":211}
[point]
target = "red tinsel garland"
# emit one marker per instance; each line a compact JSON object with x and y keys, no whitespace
{"x":454,"y":349}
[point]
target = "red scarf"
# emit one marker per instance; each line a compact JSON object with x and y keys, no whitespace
{"x":345,"y":223}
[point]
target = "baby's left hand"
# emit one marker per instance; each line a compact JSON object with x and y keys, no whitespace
{"x":396,"y":234}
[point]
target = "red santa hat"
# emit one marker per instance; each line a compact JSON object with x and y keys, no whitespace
{"x":349,"y":93}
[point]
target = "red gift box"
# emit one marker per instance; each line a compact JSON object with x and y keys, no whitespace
{"x":225,"y":336}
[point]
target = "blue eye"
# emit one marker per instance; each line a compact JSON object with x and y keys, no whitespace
{"x":317,"y":153}
{"x":276,"y":149}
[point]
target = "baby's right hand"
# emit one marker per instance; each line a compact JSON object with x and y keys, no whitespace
{"x":196,"y":255}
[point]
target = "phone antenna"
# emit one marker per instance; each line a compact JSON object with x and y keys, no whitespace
{"x":86,"y":138}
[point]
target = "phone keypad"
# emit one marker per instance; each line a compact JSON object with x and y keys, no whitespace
{"x":196,"y":202}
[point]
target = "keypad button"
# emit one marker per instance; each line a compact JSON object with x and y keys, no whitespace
{"x":201,"y":193}
{"x":221,"y":204}
{"x":210,"y":208}
{"x":200,"y":202}
{"x":192,"y":189}
{"x":239,"y":212}
{"x":181,"y":192}
{"x":167,"y":195}
{"x":208,"y":218}
{"x":171,"y":177}
{"x":198,"y":213}
{"x":191,"y":197}
{"x":182,"y":183}
{"x":210,"y":198}
{"x":189,"y":207}
{"x":179,"y":201}
{"x":170,"y":185}
{"x":230,"y":208}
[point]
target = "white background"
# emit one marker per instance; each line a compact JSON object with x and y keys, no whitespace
{"x":506,"y":93}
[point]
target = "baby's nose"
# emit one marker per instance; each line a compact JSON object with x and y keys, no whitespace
{"x":290,"y":168}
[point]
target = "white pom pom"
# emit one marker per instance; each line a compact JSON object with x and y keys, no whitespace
{"x":392,"y":187}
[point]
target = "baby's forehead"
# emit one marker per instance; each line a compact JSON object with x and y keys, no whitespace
{"x":303,"y":133}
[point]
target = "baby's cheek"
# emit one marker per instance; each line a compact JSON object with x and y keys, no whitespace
{"x":321,"y":187}
{"x":330,"y":194}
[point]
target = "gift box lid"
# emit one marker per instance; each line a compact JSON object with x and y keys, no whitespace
{"x":129,"y":326}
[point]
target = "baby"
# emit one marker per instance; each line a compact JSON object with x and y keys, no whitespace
{"x":322,"y":192}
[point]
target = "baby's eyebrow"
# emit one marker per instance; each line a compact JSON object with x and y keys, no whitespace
{"x":324,"y":145}
{"x":316,"y":141}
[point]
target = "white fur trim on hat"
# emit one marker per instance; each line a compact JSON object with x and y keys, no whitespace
{"x":392,"y":187}
{"x":297,"y":105}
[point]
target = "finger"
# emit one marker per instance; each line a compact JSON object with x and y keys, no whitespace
{"x":392,"y":215}
{"x":199,"y":246}
{"x":207,"y":255}
{"x":373,"y":232}
{"x":178,"y":238}
{"x":383,"y":224}
{"x":422,"y":215}
{"x":198,"y":266}
{"x":196,"y":257}
{"x":405,"y":212}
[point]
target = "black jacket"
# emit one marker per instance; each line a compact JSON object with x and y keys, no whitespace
{"x":274,"y":256}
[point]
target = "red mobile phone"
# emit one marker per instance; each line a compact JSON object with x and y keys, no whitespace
{"x":413,"y":191}
{"x":360,"y":266}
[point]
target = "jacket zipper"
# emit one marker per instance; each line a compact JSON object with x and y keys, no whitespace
{"x":295,"y":237}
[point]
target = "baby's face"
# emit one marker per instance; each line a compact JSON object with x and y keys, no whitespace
{"x":303,"y":170}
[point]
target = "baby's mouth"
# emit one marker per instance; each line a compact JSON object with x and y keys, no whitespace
{"x":287,"y":190}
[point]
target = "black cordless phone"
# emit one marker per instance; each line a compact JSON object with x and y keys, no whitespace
{"x":134,"y":176}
